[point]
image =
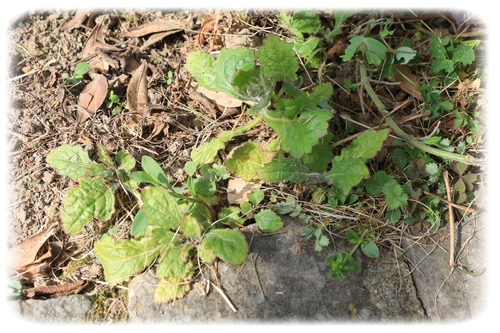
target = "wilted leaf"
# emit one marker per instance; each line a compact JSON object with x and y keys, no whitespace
{"x":92,"y":199}
{"x":221,"y":98}
{"x":77,"y":21}
{"x":25,"y":252}
{"x":170,"y":26}
{"x":248,"y":159}
{"x":238,"y":189}
{"x":170,"y":289}
{"x":122,"y":259}
{"x":409,"y":82}
{"x":92,"y":97}
{"x":137,"y":90}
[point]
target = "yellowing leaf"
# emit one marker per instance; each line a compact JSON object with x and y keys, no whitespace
{"x":92,"y":199}
{"x":248,"y":159}
{"x":122,"y":259}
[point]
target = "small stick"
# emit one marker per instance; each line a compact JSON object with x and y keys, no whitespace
{"x":221,"y":292}
{"x":257,"y":275}
{"x":452,"y":220}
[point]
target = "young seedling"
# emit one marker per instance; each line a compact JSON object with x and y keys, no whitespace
{"x":80,"y":70}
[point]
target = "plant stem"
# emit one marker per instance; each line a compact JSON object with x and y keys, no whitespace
{"x":467,"y":159}
{"x":356,"y":245}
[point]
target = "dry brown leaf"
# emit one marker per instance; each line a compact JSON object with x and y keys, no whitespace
{"x":54,"y":291}
{"x":221,"y":98}
{"x":92,"y":97}
{"x":77,"y":21}
{"x":137,"y":90}
{"x":409,"y":81}
{"x":238,"y":190}
{"x":25,"y":252}
{"x":40,"y":265}
{"x":170,"y":26}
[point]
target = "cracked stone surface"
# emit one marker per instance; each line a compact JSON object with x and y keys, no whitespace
{"x":297,"y":288}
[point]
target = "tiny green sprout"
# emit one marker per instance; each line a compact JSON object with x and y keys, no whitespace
{"x":170,"y":77}
{"x":80,"y":70}
{"x":114,"y":100}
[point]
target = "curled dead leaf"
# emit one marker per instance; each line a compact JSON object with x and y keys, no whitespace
{"x":238,"y":190}
{"x":170,"y":26}
{"x":409,"y":81}
{"x":137,"y":90}
{"x":221,"y":98}
{"x":92,"y":97}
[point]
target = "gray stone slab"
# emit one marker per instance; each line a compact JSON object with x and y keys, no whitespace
{"x":452,"y":294}
{"x":296,"y":285}
{"x":67,"y":310}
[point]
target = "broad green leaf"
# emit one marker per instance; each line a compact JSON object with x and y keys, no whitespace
{"x":99,"y":170}
{"x":300,"y":134}
{"x":347,"y":172}
{"x":322,"y":93}
{"x":190,"y":168}
{"x":342,"y":15}
{"x":370,"y":249}
{"x":366,"y":145}
{"x":173,"y":264}
{"x":92,"y":199}
{"x":406,"y":53}
{"x":248,"y":159}
{"x":278,"y":59}
{"x":352,"y":236}
{"x":306,"y":47}
{"x":282,"y":169}
{"x":201,"y":66}
{"x":256,"y":197}
{"x":442,"y":64}
{"x":320,"y":156}
{"x":227,"y":244}
{"x":140,"y":223}
{"x":392,"y":216}
{"x":304,"y":21}
{"x":375,"y":184}
{"x":230,"y":62}
{"x":122,"y":259}
{"x":268,"y":221}
{"x":104,"y":156}
{"x":291,"y":107}
{"x":352,"y":48}
{"x":206,"y":153}
{"x":191,"y":227}
{"x":144,"y":177}
{"x":375,"y":51}
{"x":464,"y":54}
{"x":70,"y":161}
{"x":231,"y":215}
{"x":151,"y":167}
{"x":170,"y":289}
{"x":204,"y":186}
{"x":395,"y":197}
{"x":160,"y":207}
{"x":125,"y":161}
{"x":217,"y":75}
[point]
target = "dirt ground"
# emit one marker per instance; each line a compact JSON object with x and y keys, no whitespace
{"x":44,"y":110}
